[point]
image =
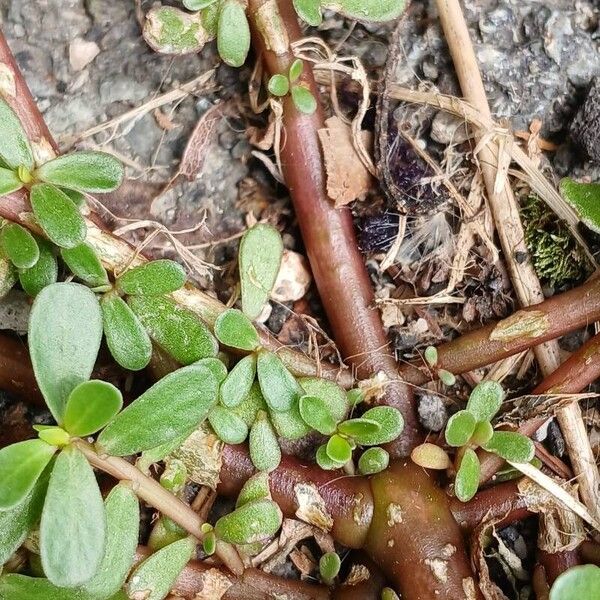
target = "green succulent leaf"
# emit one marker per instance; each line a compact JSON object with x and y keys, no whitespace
{"x":73,"y":525}
{"x":460,"y":428}
{"x":373,"y":460}
{"x":43,"y":273}
{"x":483,"y":433}
{"x":329,"y":567}
{"x":178,"y":331}
{"x":78,"y":198}
{"x":21,"y":587}
{"x":309,"y":11}
{"x":391,"y":422}
{"x":19,"y":245}
{"x":279,"y":85}
{"x":53,"y":435}
{"x":584,"y":198}
{"x":485,"y":400}
{"x":154,"y":278}
{"x":65,"y":330}
{"x":251,"y":404}
{"x":15,"y":150}
{"x":447,"y":378}
{"x":209,"y":543}
{"x":9,"y":181}
{"x":577,"y":583}
{"x":209,"y":17}
{"x":229,"y":428}
{"x":260,"y":255}
{"x":373,"y":11}
{"x":122,"y":510}
{"x":216,"y":366}
{"x":126,"y":338}
{"x":84,"y":263}
{"x":172,"y":407}
{"x":91,"y":406}
{"x":265,"y":452}
{"x":355,"y":396}
{"x":256,"y":488}
{"x":92,"y":172}
{"x":324,"y":460}
{"x":303,"y":99}
{"x":511,"y":445}
{"x":357,"y":428}
{"x":316,"y":414}
{"x":197,"y":4}
{"x":289,"y":424}
{"x":57,"y":215}
{"x":234,"y":329}
{"x":339,"y":449}
{"x":238,"y":383}
{"x":333,"y":396}
{"x":8,"y":275}
{"x":17,"y":522}
{"x":154,"y":577}
{"x":467,"y":477}
{"x":279,"y":387}
{"x":431,"y":355}
{"x":21,"y":465}
{"x":296,"y":70}
{"x":233,"y":33}
{"x":254,"y":521}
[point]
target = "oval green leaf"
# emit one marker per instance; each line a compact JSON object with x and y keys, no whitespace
{"x":483,"y":433}
{"x":178,"y":331}
{"x":172,"y":407}
{"x":367,"y":10}
{"x":309,"y":11}
{"x":73,"y":525}
{"x":91,"y":405}
{"x":9,"y":181}
{"x":485,"y":400}
{"x":303,"y":99}
{"x":122,"y":529}
{"x":234,"y":329}
{"x":239,"y":381}
{"x":373,"y":460}
{"x":21,"y":465}
{"x":316,"y":414}
{"x":356,"y":428}
{"x":331,"y":394}
{"x":265,"y":452}
{"x":154,"y":278}
{"x":338,"y":449}
{"x":391,"y":422}
{"x":19,"y":245}
{"x":577,"y":583}
{"x":248,"y":408}
{"x":43,"y":273}
{"x":84,"y":263}
{"x":154,"y":577}
{"x":279,"y":85}
{"x":511,"y":445}
{"x":460,"y":428}
{"x":329,"y":567}
{"x":216,"y":366}
{"x":21,"y":587}
{"x":57,"y":215}
{"x":584,"y":198}
{"x":279,"y":387}
{"x":65,"y":330}
{"x":256,"y":488}
{"x":197,"y":4}
{"x":254,"y":521}
{"x":229,"y":428}
{"x":14,"y":145}
{"x":233,"y":33}
{"x":260,"y":255}
{"x":92,"y":172}
{"x":324,"y":460}
{"x":467,"y":477}
{"x":126,"y":338}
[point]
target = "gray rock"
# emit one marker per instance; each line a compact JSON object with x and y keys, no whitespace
{"x":432,"y":412}
{"x":120,"y":88}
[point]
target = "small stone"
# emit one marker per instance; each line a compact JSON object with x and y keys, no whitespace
{"x":585,"y":128}
{"x":432,"y":412}
{"x":82,"y":53}
{"x":293,"y":279}
{"x":555,"y":439}
{"x":448,"y":129}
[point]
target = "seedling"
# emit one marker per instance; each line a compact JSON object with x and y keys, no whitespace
{"x":329,"y":567}
{"x":281,"y":85}
{"x":431,"y":357}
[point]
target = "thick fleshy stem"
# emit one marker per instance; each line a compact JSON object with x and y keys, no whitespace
{"x":524,"y":329}
{"x":328,"y":233}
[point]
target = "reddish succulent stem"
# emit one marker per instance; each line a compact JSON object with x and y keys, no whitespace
{"x":328,"y":233}
{"x":558,"y":562}
{"x":524,"y":329}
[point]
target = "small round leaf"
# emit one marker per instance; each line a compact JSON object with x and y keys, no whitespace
{"x":325,"y":462}
{"x":19,"y":245}
{"x":21,"y":465}
{"x":279,"y":85}
{"x":256,"y":488}
{"x":234,"y":329}
{"x":447,"y":378}
{"x":460,"y":428}
{"x":233,"y":33}
{"x":57,"y":215}
{"x":391,"y":422}
{"x":92,"y":172}
{"x":84,"y":263}
{"x":431,"y":355}
{"x":43,"y":273}
{"x":511,"y":445}
{"x":338,"y":449}
{"x":485,"y":400}
{"x":316,"y":414}
{"x":303,"y":99}
{"x":467,"y":477}
{"x":279,"y":387}
{"x":126,"y":338}
{"x":265,"y":452}
{"x":229,"y":428}
{"x":154,"y":278}
{"x":254,"y":521}
{"x":367,"y":10}
{"x":239,"y":381}
{"x":357,"y":428}
{"x":91,"y":405}
{"x":15,"y":150}
{"x":373,"y":460}
{"x":483,"y":433}
{"x":329,"y":567}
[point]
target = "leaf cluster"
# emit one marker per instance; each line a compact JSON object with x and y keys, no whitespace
{"x":281,"y":85}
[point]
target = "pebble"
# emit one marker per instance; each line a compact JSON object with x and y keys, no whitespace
{"x":432,"y":412}
{"x":293,"y":279}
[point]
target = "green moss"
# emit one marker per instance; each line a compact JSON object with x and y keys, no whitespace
{"x":556,"y":257}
